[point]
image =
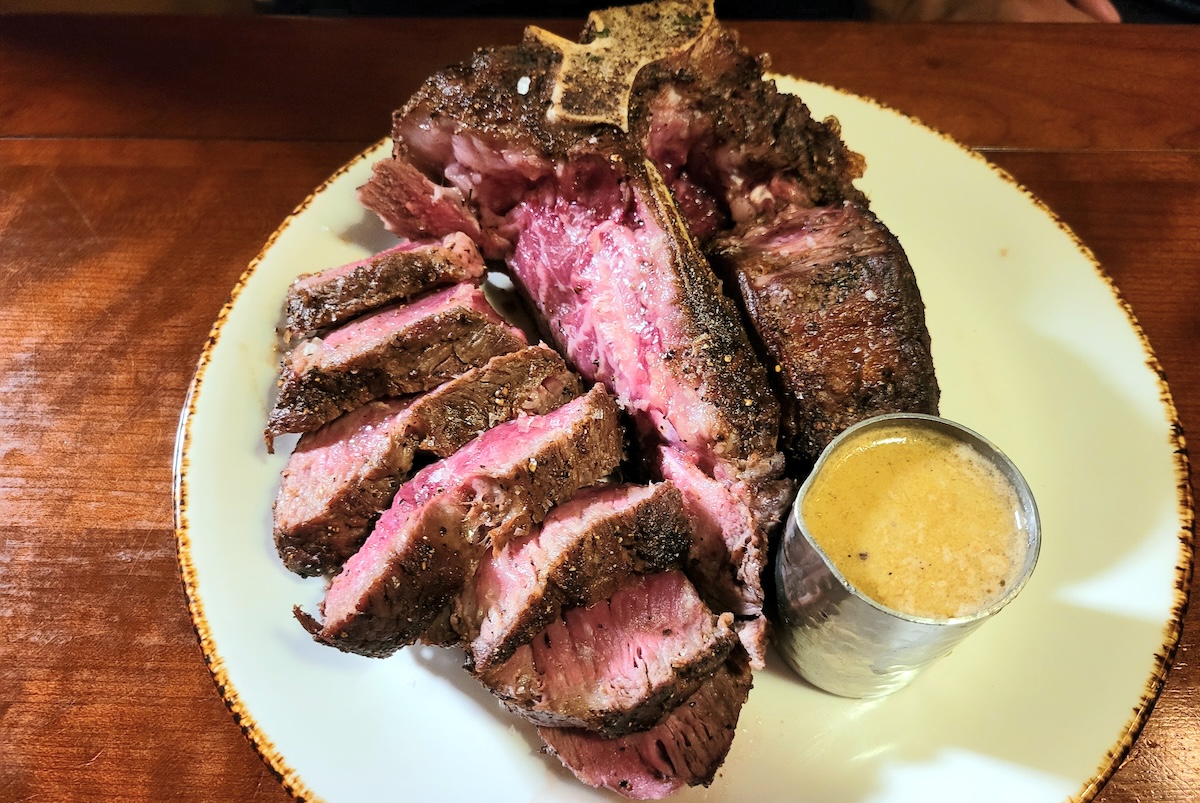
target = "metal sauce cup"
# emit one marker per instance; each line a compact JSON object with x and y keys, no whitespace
{"x":846,"y":643}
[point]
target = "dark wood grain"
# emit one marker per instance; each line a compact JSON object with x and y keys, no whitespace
{"x":1051,"y":86}
{"x":114,"y":259}
{"x":144,"y":162}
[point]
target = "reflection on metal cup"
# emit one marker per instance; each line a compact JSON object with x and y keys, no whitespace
{"x":843,"y":640}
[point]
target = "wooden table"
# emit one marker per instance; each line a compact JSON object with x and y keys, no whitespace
{"x":144,"y":162}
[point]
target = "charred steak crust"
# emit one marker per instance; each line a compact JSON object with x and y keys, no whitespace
{"x":746,"y":162}
{"x":480,"y":96}
{"x":321,"y":301}
{"x":580,"y":556}
{"x":619,"y":665}
{"x":722,"y":361}
{"x":718,"y":87}
{"x":342,"y":476}
{"x":429,"y":543}
{"x":319,"y":381}
{"x":685,"y":749}
{"x":532,"y":381}
{"x":843,"y":319}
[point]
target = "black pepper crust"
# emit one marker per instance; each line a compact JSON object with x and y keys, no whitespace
{"x":651,"y":536}
{"x":452,"y":533}
{"x":769,"y":134}
{"x":720,"y":361}
{"x":384,"y":279}
{"x":417,"y":358}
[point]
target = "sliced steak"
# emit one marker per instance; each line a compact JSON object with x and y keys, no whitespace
{"x":629,"y":299}
{"x":342,"y":476}
{"x":413,"y":207}
{"x":837,"y":308}
{"x":827,"y":289}
{"x":726,"y":558}
{"x":320,"y":301}
{"x":442,"y":521}
{"x":620,"y":665}
{"x":596,"y":240}
{"x":584,"y":551}
{"x":398,"y":350}
{"x":685,"y":749}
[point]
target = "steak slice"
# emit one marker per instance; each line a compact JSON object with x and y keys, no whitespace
{"x":619,"y":665}
{"x":337,"y":480}
{"x":836,"y":305}
{"x":340,"y":477}
{"x":583,"y":552}
{"x":685,"y":749}
{"x":827,"y":288}
{"x":413,"y":207}
{"x":443,"y":520}
{"x":320,"y":301}
{"x":532,"y":381}
{"x":726,"y":559}
{"x":399,"y":350}
{"x":729,"y":518}
{"x":608,"y":261}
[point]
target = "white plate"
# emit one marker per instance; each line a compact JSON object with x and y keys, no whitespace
{"x":1033,"y":348}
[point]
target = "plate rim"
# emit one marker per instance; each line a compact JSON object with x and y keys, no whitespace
{"x":290,"y":778}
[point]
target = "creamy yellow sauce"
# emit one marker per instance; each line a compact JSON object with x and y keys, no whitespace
{"x":917,"y":521}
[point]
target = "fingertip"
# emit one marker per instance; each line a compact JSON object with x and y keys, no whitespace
{"x":1099,"y":10}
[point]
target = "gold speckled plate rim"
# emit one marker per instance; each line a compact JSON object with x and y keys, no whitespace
{"x":290,"y":778}
{"x":1183,"y":487}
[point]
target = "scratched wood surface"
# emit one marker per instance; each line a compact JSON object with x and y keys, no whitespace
{"x":143,"y":163}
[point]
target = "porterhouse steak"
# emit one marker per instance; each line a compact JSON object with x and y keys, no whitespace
{"x":611,"y":227}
